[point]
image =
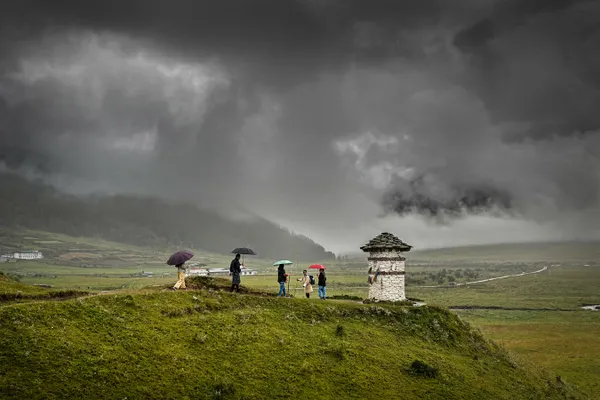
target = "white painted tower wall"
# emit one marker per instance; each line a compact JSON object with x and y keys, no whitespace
{"x":387,"y":287}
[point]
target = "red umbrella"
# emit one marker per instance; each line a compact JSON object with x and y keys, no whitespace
{"x":317,"y":266}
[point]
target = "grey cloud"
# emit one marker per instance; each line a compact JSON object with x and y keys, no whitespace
{"x":318,"y":113}
{"x":432,"y":198}
{"x":534,"y":63}
{"x":530,"y":66}
{"x":290,"y":34}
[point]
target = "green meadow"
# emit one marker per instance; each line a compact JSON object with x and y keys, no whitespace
{"x":536,"y":317}
{"x":565,"y":342}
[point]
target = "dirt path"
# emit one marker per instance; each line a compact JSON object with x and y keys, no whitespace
{"x":459,"y":308}
{"x":487,"y":280}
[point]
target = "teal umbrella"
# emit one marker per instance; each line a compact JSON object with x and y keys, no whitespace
{"x":284,"y":262}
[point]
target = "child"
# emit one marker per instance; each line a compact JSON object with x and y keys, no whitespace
{"x":305,"y":279}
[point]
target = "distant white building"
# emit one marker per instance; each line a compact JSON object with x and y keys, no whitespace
{"x":218,"y":271}
{"x":225,"y":271}
{"x":247,"y":271}
{"x":28,"y":255}
{"x":195,"y":264}
{"x":197,"y":272}
{"x":148,"y":274}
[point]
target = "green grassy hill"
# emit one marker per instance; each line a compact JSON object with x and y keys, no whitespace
{"x":208,"y":344}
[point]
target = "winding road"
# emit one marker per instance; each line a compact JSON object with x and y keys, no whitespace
{"x":487,"y":280}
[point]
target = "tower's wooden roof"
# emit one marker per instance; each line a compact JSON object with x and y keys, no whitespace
{"x":387,"y":242}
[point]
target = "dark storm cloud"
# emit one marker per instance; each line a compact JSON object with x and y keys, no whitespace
{"x":281,"y":48}
{"x":532,"y":66}
{"x":275,"y":40}
{"x":535,"y":63}
{"x":416,"y":196}
{"x":315,"y":113}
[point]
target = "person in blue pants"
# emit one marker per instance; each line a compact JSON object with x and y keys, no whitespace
{"x":322,"y":284}
{"x":281,"y":278}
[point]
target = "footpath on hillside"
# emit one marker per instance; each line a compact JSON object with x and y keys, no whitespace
{"x":488,"y":279}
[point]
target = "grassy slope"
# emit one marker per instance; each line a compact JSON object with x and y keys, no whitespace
{"x":210,"y":344}
{"x":565,"y":342}
{"x":15,"y":291}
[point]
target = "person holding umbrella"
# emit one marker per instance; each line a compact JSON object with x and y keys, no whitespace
{"x":180,"y":284}
{"x":243,"y":251}
{"x":178,"y":259}
{"x":322,"y":279}
{"x":235,"y":270}
{"x":322,"y":284}
{"x":281,"y":278}
{"x":280,"y":263}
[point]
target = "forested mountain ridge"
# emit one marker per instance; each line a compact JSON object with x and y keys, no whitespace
{"x":145,"y":221}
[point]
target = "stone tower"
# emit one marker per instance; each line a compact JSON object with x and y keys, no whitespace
{"x":386,"y":267}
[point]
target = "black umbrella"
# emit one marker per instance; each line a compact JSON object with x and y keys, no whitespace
{"x":180,"y":257}
{"x":244,"y":251}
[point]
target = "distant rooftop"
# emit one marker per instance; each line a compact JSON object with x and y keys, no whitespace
{"x":386,"y":241}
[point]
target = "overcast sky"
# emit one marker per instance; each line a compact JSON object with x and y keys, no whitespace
{"x":444,"y":122}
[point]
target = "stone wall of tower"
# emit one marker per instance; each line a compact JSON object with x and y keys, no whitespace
{"x":387,"y":287}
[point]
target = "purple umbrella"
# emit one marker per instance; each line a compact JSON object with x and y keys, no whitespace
{"x":180,"y":257}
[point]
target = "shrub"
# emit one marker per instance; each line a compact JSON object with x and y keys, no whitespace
{"x":224,"y":390}
{"x":420,"y":368}
{"x":345,"y":297}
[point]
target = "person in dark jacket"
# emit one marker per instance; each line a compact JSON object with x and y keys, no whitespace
{"x":281,"y":278}
{"x":322,"y":284}
{"x":235,"y":270}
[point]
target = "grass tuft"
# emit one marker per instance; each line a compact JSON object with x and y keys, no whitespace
{"x":420,"y":368}
{"x":223,"y":390}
